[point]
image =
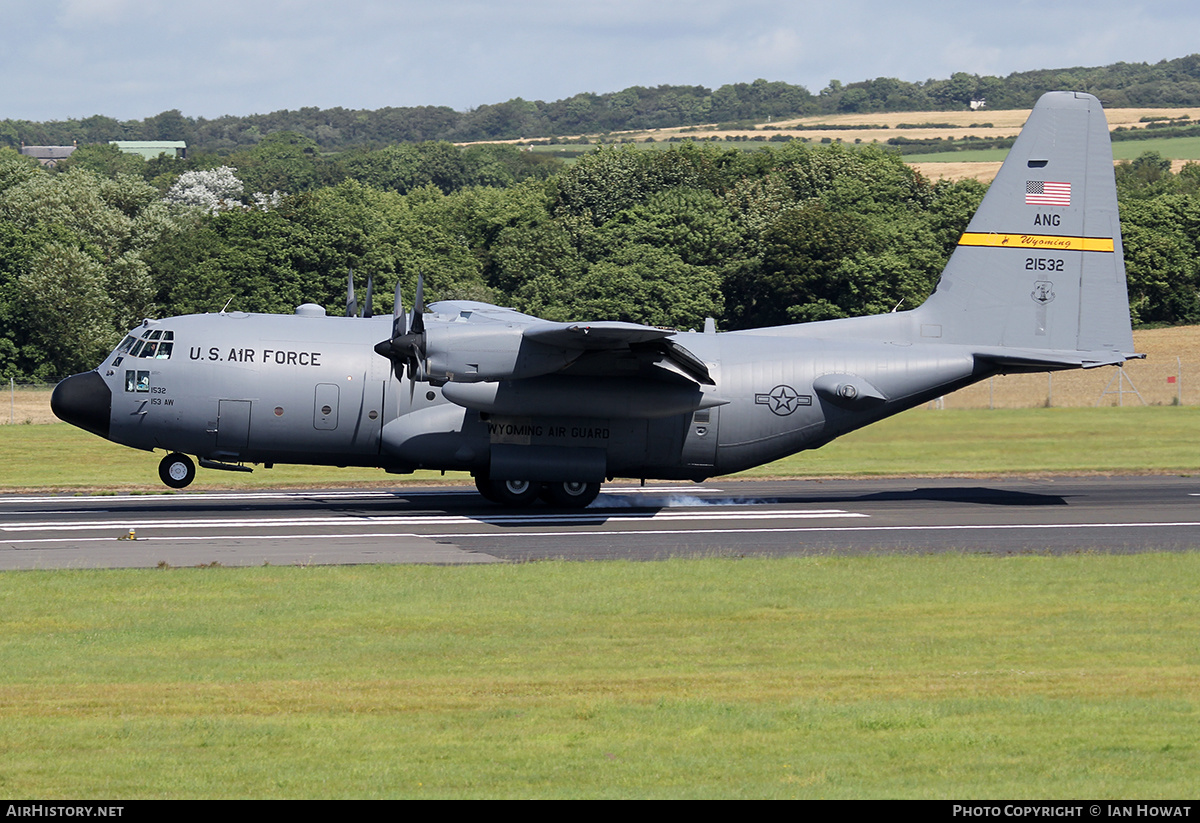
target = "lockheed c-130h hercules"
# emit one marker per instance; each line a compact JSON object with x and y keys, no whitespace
{"x":536,"y":408}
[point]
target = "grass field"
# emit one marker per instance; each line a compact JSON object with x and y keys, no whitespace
{"x":891,"y":676}
{"x":927,"y":677}
{"x":948,"y":676}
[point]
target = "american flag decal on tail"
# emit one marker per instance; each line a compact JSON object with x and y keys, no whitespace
{"x":1045,"y":193}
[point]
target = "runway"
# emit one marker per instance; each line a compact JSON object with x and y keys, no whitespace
{"x":454,"y":525}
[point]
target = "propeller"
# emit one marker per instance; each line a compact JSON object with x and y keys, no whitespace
{"x":406,"y":346}
{"x":352,"y":303}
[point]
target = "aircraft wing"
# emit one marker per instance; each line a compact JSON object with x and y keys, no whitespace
{"x":594,"y":336}
{"x":638,"y":340}
{"x":469,"y":342}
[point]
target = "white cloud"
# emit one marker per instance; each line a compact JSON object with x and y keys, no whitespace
{"x":130,"y":60}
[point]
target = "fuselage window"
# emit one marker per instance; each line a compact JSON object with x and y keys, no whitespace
{"x":137,"y":381}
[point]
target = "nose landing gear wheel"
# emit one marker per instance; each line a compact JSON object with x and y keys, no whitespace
{"x":177,"y":470}
{"x":571,"y":494}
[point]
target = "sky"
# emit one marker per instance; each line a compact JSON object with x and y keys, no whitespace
{"x":132,"y":59}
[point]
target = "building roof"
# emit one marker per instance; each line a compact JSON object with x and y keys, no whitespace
{"x":48,"y":152}
{"x":152,"y":148}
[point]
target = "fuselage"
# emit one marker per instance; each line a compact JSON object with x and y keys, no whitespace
{"x":236,"y":388}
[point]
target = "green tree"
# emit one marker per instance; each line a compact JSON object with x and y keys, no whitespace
{"x":1161,"y":253}
{"x":104,"y":159}
{"x":1148,"y":175}
{"x":72,"y":272}
{"x":285,"y":162}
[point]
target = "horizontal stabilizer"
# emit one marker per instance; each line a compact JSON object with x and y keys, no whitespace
{"x":1032,"y":360}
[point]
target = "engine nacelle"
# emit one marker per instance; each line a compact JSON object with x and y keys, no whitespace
{"x":472,"y":354}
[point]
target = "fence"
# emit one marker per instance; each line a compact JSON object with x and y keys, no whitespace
{"x":28,"y":403}
{"x":1161,"y":381}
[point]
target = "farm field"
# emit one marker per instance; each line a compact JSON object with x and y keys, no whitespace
{"x":982,"y":165}
{"x":880,"y":127}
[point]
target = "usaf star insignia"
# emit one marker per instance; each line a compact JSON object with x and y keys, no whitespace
{"x":783,"y":400}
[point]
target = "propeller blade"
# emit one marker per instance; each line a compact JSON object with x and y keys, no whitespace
{"x":407,"y":343}
{"x":351,"y":303}
{"x":398,"y":325}
{"x":417,"y":323}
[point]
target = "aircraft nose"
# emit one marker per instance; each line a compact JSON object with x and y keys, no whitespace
{"x":83,"y":400}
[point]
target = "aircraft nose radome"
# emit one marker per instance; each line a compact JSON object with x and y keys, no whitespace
{"x":83,"y":400}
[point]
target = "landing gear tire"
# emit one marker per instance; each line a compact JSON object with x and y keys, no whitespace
{"x":514,"y":493}
{"x":485,"y":487}
{"x":571,"y":494}
{"x":177,"y":470}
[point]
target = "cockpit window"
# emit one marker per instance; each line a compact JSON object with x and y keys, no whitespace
{"x":156,"y":343}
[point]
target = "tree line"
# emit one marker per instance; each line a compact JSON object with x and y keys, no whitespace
{"x":787,"y":233}
{"x":1163,"y":84}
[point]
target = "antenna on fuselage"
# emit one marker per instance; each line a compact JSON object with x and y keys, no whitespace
{"x":227,"y":302}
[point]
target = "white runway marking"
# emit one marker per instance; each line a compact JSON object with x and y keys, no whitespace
{"x":617,"y":532}
{"x":583,"y":518}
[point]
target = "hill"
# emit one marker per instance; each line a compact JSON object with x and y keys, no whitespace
{"x":1169,"y":83}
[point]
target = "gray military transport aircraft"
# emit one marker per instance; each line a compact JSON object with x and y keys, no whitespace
{"x":535,"y":408}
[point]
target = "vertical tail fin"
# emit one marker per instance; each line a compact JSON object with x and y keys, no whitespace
{"x":1040,"y":266}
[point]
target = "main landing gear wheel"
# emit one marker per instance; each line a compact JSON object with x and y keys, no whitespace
{"x":513,"y":492}
{"x":177,"y":470}
{"x":571,"y":494}
{"x":484,"y":486}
